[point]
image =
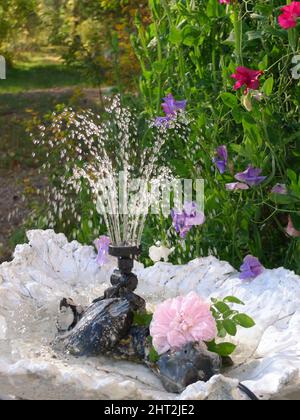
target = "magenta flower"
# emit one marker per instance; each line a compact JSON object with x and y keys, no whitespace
{"x":184,"y":221}
{"x":235,"y":186}
{"x":251,"y":268}
{"x":291,"y":231}
{"x":102,"y":246}
{"x":224,"y":1}
{"x":177,"y":322}
{"x":221,"y":158}
{"x":170,"y":107}
{"x":290,"y":15}
{"x":279,"y":189}
{"x":251,"y":176}
{"x":246,"y":77}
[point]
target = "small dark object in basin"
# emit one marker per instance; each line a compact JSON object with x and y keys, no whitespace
{"x":179,"y":368}
{"x":133,"y":346}
{"x":69,"y":316}
{"x":100,"y":329}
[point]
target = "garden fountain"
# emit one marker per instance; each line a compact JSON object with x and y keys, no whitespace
{"x":107,"y":326}
{"x":49,"y":267}
{"x":38,"y":362}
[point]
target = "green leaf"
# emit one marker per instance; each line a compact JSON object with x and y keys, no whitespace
{"x":228,"y":314}
{"x":175,"y":36}
{"x":225,"y":349}
{"x":191,"y":35}
{"x":229,"y":99}
{"x":142,"y":319}
{"x":296,"y":220}
{"x":221,"y":330}
{"x":159,"y":66}
{"x":153,"y":355}
{"x":282,"y":198}
{"x":292,"y":176}
{"x":233,"y":299}
{"x":222,"y":307}
{"x":244,"y":321}
{"x":230,"y":327}
{"x":268,"y":86}
{"x":237,"y":115}
{"x":252,"y":35}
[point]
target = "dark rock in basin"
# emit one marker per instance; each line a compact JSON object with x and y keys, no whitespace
{"x":133,"y":346}
{"x":193,"y":363}
{"x":101,"y":327}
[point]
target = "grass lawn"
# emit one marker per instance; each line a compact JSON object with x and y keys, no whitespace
{"x":40,"y":72}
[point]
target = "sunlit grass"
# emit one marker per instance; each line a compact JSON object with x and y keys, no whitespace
{"x":41,"y":71}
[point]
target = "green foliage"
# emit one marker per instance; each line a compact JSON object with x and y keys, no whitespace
{"x":91,"y":35}
{"x":228,"y":320}
{"x":142,"y":319}
{"x":16,"y":16}
{"x":191,"y":48}
{"x":153,"y":356}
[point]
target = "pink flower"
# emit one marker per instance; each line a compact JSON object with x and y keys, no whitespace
{"x":246,"y":77}
{"x":291,"y":231}
{"x":235,"y":186}
{"x":182,"y":320}
{"x":224,"y":1}
{"x":290,"y":14}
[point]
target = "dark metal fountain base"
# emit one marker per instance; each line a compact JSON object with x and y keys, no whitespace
{"x":123,"y":281}
{"x":107,"y":328}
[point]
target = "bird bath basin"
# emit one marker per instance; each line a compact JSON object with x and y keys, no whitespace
{"x":49,"y":268}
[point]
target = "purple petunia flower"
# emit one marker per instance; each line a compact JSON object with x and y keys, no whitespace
{"x":235,"y":186}
{"x":102,"y":246}
{"x":252,"y":176}
{"x":160,"y":121}
{"x":280,"y":189}
{"x":184,"y":221}
{"x":251,"y":268}
{"x":221,"y":158}
{"x":170,"y":107}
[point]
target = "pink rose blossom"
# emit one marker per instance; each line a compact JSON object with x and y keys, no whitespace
{"x":290,"y":15}
{"x":246,"y":77}
{"x":182,"y":320}
{"x":291,"y":231}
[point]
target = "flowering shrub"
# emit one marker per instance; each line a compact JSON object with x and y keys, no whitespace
{"x":232,"y":62}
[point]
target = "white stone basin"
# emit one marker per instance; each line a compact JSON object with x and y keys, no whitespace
{"x":49,"y":268}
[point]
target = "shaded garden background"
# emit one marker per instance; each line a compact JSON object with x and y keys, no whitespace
{"x":58,"y":52}
{"x":69,"y":53}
